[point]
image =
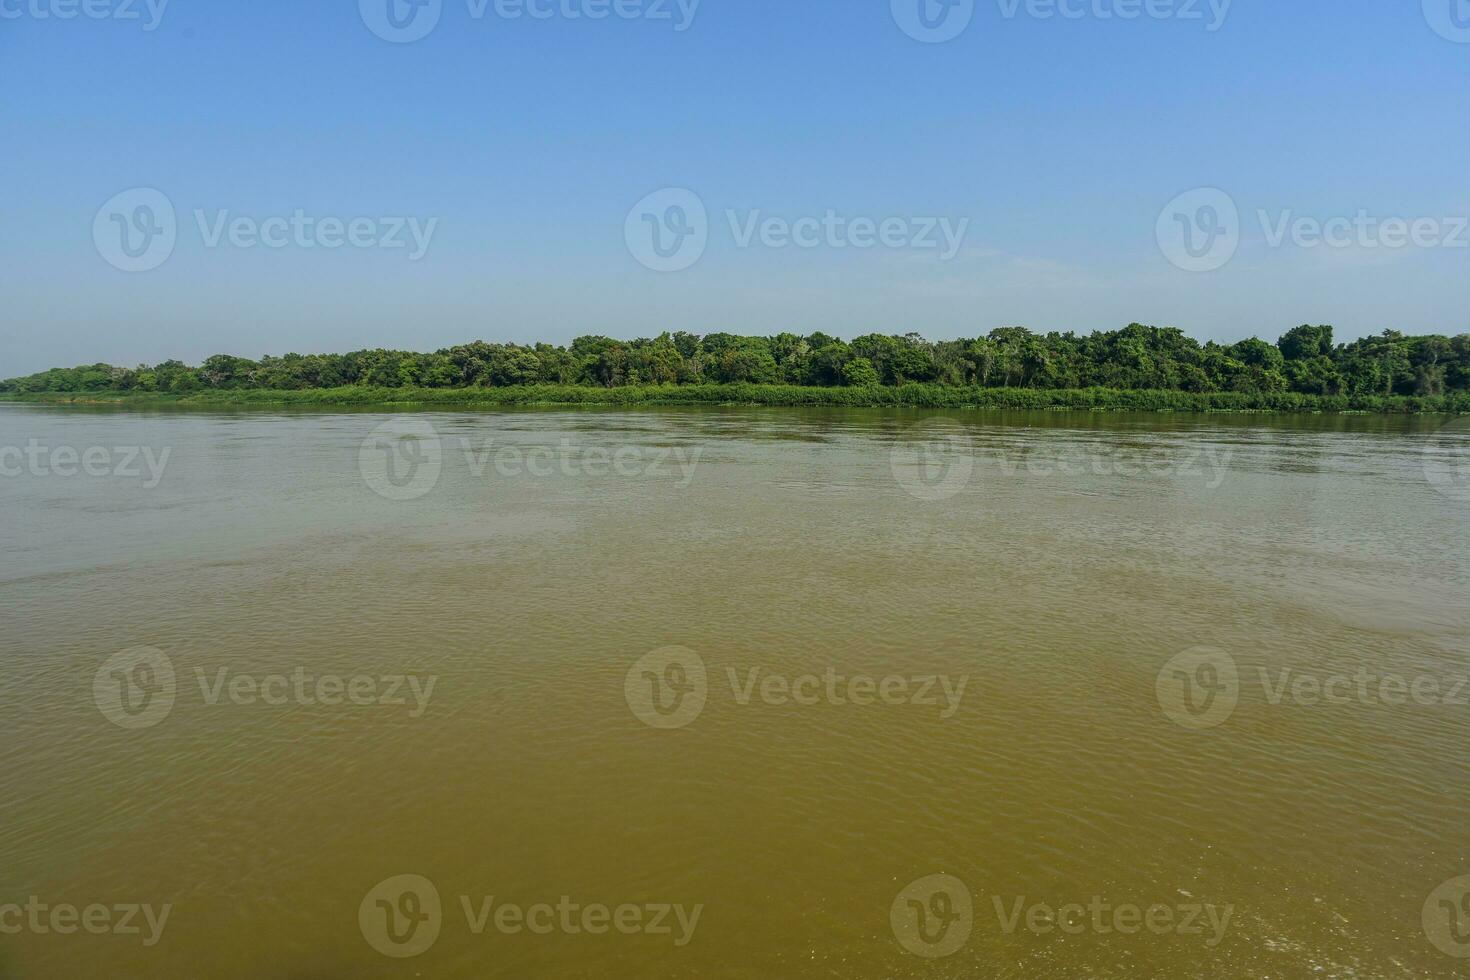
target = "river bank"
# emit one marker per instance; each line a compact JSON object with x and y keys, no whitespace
{"x":909,"y":396}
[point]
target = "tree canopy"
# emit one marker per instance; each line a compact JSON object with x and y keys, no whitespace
{"x":1304,"y":360}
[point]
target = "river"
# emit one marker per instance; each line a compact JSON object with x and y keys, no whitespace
{"x":728,"y":692}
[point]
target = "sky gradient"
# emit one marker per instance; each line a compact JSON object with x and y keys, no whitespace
{"x":522,"y":145}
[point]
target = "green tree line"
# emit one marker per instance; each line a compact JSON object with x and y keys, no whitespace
{"x":1137,"y":358}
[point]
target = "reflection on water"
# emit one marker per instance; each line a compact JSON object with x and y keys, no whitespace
{"x":733,"y":692}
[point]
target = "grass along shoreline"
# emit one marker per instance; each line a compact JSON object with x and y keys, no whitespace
{"x":905,"y":396}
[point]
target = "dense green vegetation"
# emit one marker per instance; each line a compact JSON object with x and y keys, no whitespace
{"x":1136,"y":367}
{"x":907,"y":395}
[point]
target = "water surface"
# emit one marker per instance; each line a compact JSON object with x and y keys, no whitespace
{"x":1056,"y":562}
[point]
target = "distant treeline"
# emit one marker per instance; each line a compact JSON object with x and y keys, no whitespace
{"x":911,"y":395}
{"x":1305,"y":361}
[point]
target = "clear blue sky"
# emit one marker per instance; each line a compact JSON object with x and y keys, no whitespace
{"x":1059,"y":139}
